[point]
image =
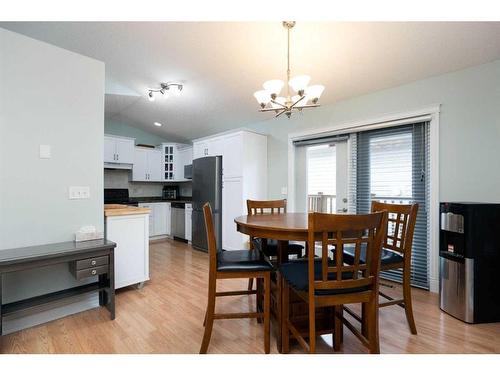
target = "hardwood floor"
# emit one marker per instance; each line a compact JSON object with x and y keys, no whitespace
{"x":166,"y":316}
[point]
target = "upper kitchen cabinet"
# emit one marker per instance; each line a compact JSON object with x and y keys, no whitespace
{"x":147,"y":165}
{"x":175,"y":157}
{"x":118,"y":150}
{"x":243,"y":153}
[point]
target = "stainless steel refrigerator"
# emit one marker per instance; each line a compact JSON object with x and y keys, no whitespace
{"x":207,"y":187}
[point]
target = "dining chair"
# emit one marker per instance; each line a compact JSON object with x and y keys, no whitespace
{"x":234,"y":264}
{"x":395,"y":254}
{"x":323,"y":281}
{"x":269,"y":246}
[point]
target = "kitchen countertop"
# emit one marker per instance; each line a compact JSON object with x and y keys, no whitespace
{"x":122,"y":209}
{"x":159,"y":199}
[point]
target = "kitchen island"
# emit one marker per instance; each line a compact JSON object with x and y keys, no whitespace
{"x":128,"y":227}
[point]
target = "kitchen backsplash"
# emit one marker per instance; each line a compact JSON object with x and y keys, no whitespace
{"x":120,"y":179}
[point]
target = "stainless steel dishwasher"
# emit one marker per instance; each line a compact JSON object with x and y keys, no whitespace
{"x":178,"y":221}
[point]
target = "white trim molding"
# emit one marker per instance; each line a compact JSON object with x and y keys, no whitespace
{"x":431,"y":114}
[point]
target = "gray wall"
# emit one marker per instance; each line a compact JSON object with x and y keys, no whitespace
{"x":141,"y":137}
{"x":47,"y":96}
{"x":469,"y":128}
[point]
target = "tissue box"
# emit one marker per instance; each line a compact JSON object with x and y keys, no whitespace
{"x":87,"y":234}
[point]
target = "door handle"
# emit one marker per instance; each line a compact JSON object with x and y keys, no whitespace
{"x":343,"y":210}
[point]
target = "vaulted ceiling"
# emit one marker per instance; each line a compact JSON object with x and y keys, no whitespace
{"x":221,"y":64}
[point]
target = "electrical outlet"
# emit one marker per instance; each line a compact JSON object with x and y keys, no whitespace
{"x":284,"y":190}
{"x":79,"y":192}
{"x":45,"y":152}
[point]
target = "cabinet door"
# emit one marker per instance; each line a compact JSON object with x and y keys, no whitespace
{"x":200,"y":150}
{"x":168,"y":220}
{"x":232,"y":207}
{"x":155,"y":165}
{"x":216,"y":147}
{"x":124,"y":150}
{"x":232,"y":158}
{"x":140,"y":167}
{"x":109,"y":150}
{"x":188,"y":223}
{"x":160,"y":218}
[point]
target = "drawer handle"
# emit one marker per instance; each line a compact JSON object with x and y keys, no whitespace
{"x":94,"y":272}
{"x":93,"y":262}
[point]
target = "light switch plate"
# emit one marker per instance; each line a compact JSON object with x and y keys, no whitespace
{"x":79,"y":192}
{"x":45,"y":152}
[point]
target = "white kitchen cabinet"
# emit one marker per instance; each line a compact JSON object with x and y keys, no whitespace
{"x":188,"y":221}
{"x":232,"y":207}
{"x":200,"y":150}
{"x":147,"y":165}
{"x":169,"y":219}
{"x":118,"y":150}
{"x":159,"y":218}
{"x":232,"y":157}
{"x":131,"y":235}
{"x":184,"y":157}
{"x":175,"y":157}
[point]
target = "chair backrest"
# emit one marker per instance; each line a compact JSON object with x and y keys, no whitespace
{"x":212,"y":243}
{"x":266,"y":207}
{"x":360,"y":231}
{"x":401,"y":221}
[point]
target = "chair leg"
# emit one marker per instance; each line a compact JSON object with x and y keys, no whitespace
{"x":338,"y":333}
{"x":371,"y":311}
{"x":259,"y":298}
{"x":407,"y":300}
{"x":250,"y":284}
{"x":285,"y":313}
{"x":209,"y":315}
{"x":312,"y":326}
{"x":267,"y":312}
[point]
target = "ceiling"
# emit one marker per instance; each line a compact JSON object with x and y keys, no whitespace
{"x":221,"y":64}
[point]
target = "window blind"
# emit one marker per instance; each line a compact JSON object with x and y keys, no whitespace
{"x":391,"y":165}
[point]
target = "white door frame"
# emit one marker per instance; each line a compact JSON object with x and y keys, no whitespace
{"x":430,"y":114}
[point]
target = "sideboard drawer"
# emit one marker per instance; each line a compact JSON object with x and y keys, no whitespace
{"x":91,"y":262}
{"x":89,"y":272}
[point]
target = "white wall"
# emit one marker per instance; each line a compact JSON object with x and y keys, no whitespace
{"x":47,"y":96}
{"x":469,"y":129}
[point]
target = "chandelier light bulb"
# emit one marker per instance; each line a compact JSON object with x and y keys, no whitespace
{"x":273,"y":86}
{"x":263,"y":97}
{"x":299,"y":83}
{"x":314,"y":92}
{"x":151,"y":96}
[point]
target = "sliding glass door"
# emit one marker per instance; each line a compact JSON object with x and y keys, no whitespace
{"x":391,"y":165}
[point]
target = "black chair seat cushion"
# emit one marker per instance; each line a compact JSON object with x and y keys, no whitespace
{"x":387,"y":256}
{"x":272,"y":247}
{"x":296,"y":274}
{"x":242,"y":260}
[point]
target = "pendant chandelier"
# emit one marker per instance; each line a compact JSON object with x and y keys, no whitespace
{"x":305,"y":96}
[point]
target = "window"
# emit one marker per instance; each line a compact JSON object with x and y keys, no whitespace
{"x":321,"y":178}
{"x":390,"y":165}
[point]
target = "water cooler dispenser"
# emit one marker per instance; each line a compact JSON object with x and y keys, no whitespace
{"x":469,"y":252}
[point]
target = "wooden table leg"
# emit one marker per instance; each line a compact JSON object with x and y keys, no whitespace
{"x":1,"y":332}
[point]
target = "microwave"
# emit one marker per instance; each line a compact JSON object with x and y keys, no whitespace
{"x":188,"y":171}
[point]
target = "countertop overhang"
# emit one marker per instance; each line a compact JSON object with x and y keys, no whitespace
{"x":122,"y":210}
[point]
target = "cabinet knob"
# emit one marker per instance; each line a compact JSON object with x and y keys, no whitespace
{"x":94,"y":272}
{"x":93,"y":263}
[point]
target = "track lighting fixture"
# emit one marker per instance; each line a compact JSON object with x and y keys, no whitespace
{"x":164,"y":90}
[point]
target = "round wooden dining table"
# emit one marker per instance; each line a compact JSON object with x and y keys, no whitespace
{"x":283,"y":227}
